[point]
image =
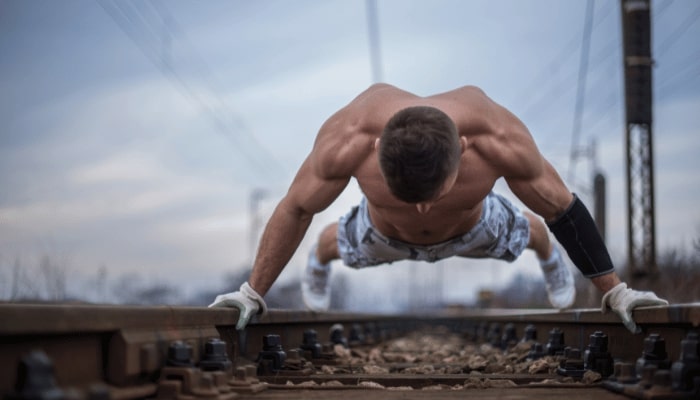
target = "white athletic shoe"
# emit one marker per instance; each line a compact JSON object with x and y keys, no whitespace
{"x":315,"y":288}
{"x":559,"y":280}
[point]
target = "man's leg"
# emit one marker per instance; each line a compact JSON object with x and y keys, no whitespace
{"x":315,"y":283}
{"x":327,"y":249}
{"x":557,"y":275}
{"x":539,"y":238}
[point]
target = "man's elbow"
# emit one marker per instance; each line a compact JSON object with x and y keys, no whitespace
{"x":295,"y":210}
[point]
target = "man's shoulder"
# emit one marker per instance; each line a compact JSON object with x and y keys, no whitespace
{"x":345,"y":140}
{"x":511,"y":152}
{"x":384,"y":92}
{"x":383,"y":100}
{"x":340,"y":154}
{"x":363,"y":119}
{"x":462,"y":94}
{"x":380,"y":88}
{"x":378,"y":93}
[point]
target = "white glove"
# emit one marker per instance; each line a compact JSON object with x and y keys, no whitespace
{"x":246,"y":299}
{"x":623,"y":300}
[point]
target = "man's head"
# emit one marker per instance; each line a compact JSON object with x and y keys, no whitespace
{"x":419,"y":151}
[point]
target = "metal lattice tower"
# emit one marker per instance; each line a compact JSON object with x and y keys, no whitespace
{"x":638,"y":63}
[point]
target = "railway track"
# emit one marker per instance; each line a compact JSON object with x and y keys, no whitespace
{"x":107,"y":352}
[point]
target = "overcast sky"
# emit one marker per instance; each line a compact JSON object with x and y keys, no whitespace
{"x":133,"y":134}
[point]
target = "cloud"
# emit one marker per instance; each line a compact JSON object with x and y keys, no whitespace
{"x":119,"y":165}
{"x":129,"y":167}
{"x":107,"y":182}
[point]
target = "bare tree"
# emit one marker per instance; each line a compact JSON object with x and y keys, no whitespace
{"x":125,"y":287}
{"x":130,"y":289}
{"x":157,"y":294}
{"x":16,"y":271}
{"x":101,"y":284}
{"x":4,"y":279}
{"x":523,"y":291}
{"x":24,"y":284}
{"x":54,"y":274}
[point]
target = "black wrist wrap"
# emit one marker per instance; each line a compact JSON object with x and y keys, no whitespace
{"x":577,"y":232}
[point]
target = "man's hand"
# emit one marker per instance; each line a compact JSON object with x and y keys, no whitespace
{"x":246,"y":299}
{"x":623,"y":300}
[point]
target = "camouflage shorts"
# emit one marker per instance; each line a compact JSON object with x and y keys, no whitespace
{"x":502,"y":232}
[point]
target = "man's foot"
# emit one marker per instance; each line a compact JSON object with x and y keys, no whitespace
{"x":315,"y":288}
{"x":559,"y":280}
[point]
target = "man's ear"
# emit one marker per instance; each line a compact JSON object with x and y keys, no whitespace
{"x":463,"y":142}
{"x":376,"y":144}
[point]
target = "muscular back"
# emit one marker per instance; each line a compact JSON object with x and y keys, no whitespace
{"x":495,"y":144}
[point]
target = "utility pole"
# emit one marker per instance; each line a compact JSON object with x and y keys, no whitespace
{"x":599,"y":183}
{"x":638,"y":62}
{"x":375,"y":54}
{"x":599,"y":201}
{"x":256,"y":196}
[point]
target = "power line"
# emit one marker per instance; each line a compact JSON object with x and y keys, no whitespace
{"x":148,"y":38}
{"x":545,"y":75}
{"x":609,"y":105}
{"x":681,"y":81}
{"x":681,"y":28}
{"x":680,"y":66}
{"x":599,"y":84}
{"x":681,"y":73}
{"x":662,"y":8}
{"x":581,"y":91}
{"x":208,"y":76}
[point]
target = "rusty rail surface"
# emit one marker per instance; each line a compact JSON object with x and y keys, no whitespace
{"x":109,"y":352}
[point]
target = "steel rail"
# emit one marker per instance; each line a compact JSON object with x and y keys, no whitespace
{"x":126,"y":349}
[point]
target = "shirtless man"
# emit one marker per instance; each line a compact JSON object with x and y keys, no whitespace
{"x":427,"y":166}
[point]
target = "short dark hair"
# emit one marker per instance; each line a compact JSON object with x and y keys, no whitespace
{"x":419,"y":149}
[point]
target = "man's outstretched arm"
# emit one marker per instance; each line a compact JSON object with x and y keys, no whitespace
{"x":538,"y":185}
{"x":577,"y":231}
{"x":309,"y":194}
{"x":571,"y":223}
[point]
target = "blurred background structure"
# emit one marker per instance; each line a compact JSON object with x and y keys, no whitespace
{"x":144,"y":144}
